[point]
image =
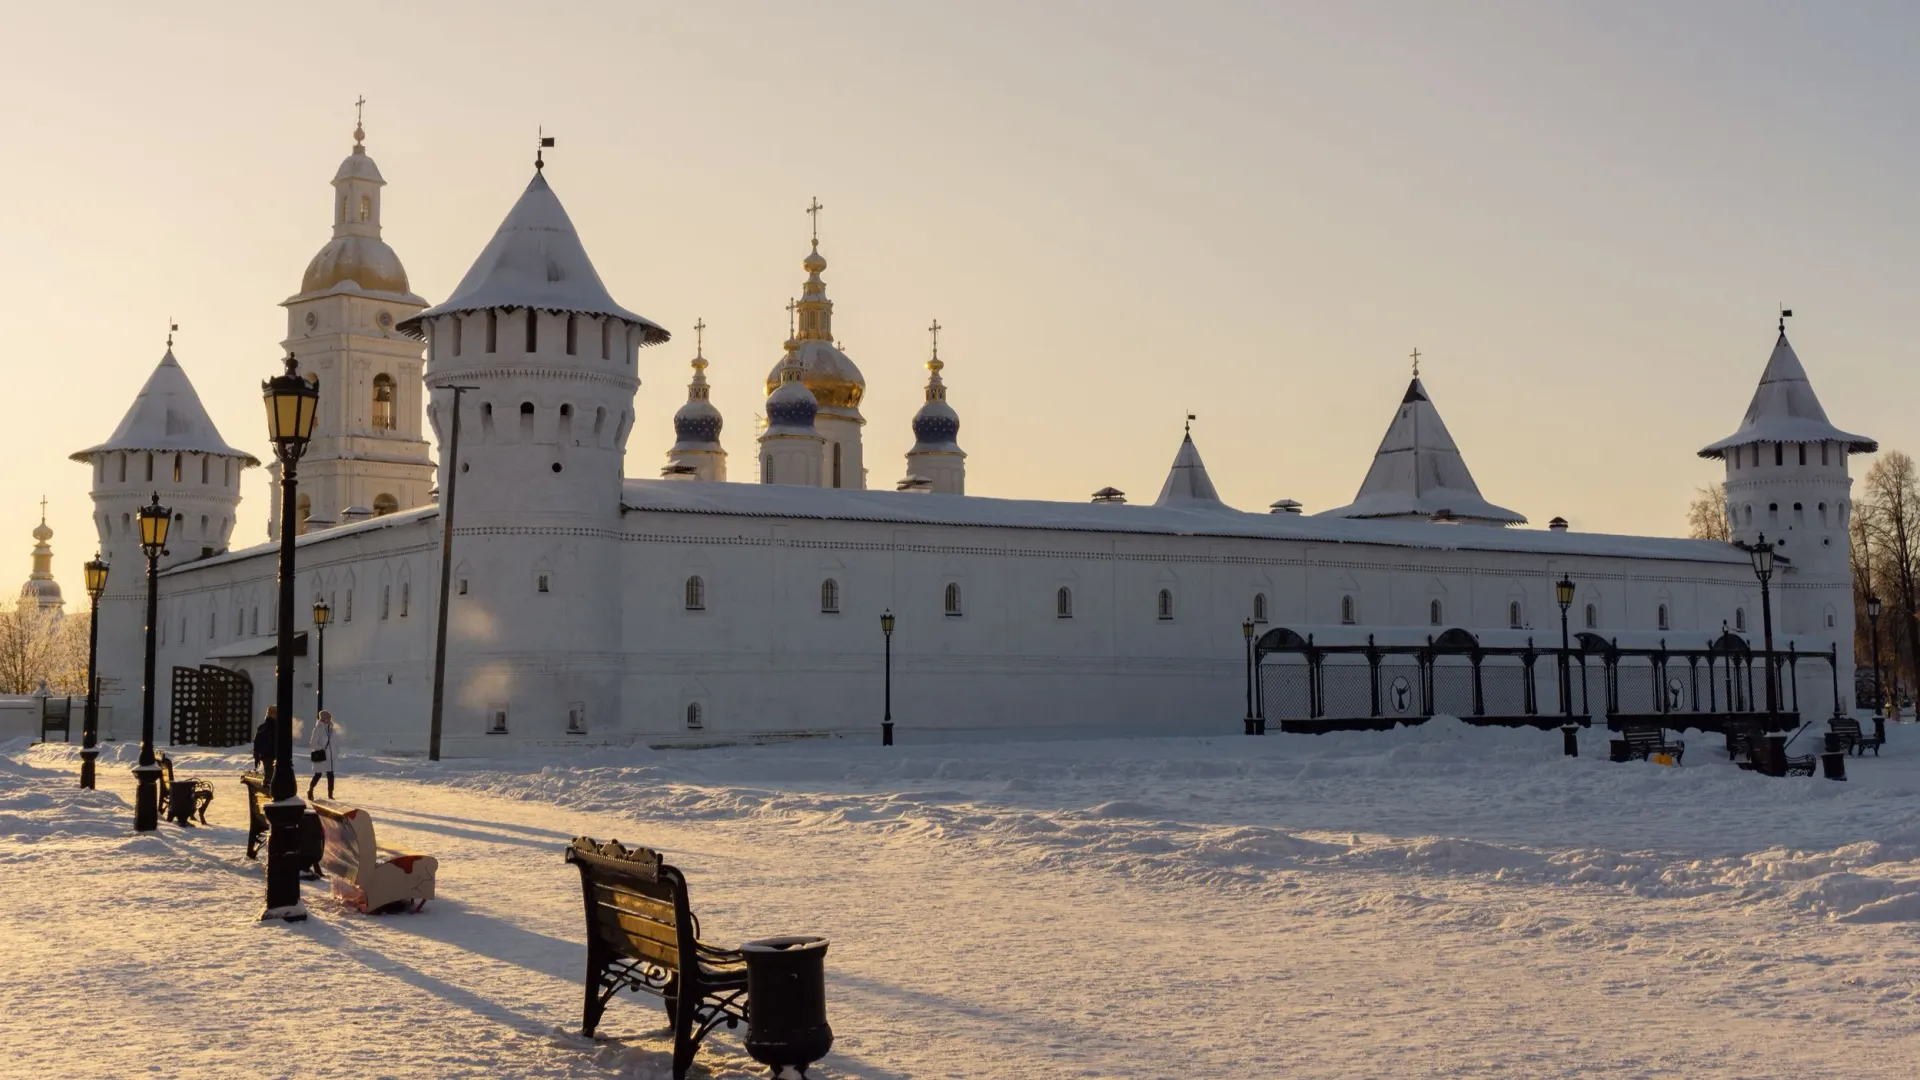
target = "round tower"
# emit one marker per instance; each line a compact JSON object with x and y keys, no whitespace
{"x":696,"y":452}
{"x":791,"y":447}
{"x":549,"y":360}
{"x":166,"y":445}
{"x":936,"y":455}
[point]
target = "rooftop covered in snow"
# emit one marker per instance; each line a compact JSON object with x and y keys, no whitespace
{"x":1786,"y":410}
{"x":1187,"y":482}
{"x":1418,"y":473}
{"x":167,"y":416}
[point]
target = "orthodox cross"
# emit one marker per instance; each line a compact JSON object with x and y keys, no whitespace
{"x":1416,"y":363}
{"x":935,"y":331}
{"x":813,"y":211}
{"x":699,"y":336}
{"x":43,"y":509}
{"x":792,"y":305}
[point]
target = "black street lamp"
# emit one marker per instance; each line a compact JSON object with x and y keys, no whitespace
{"x":291,"y":404}
{"x":1569,"y":731}
{"x":96,"y":571}
{"x":1762,"y":555}
{"x":322,"y":614}
{"x":154,"y":522}
{"x":886,"y":723}
{"x":1246,"y":632}
{"x":1879,"y":695}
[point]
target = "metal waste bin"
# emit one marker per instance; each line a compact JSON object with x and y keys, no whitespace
{"x":313,"y":844}
{"x":787,"y":1003}
{"x":1835,"y":744}
{"x":1833,"y":764}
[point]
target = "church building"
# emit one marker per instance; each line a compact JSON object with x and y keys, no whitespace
{"x":587,"y":606}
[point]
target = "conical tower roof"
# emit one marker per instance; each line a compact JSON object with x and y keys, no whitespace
{"x":536,"y":260}
{"x":1418,"y":472}
{"x":1188,"y":484}
{"x":167,"y":416}
{"x":1785,"y":409}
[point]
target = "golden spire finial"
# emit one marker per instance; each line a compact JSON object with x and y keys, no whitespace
{"x":1416,"y":362}
{"x":813,"y":211}
{"x":359,"y":118}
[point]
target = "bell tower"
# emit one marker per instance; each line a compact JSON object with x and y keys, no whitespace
{"x":368,"y":451}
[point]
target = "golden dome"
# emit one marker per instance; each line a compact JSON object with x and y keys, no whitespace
{"x":364,"y":260}
{"x":835,"y":381}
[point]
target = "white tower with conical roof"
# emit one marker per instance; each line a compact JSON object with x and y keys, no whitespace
{"x":1187,"y":485}
{"x":936,"y":456}
{"x":368,"y":451}
{"x":550,"y":358}
{"x":835,"y":382}
{"x":1418,"y":472}
{"x":1787,"y":481}
{"x":696,"y":453}
{"x":166,"y":445}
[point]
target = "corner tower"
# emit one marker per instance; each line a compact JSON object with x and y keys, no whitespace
{"x":535,"y":629}
{"x":368,"y":448}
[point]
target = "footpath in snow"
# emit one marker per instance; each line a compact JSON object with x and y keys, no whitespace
{"x":1440,"y":901}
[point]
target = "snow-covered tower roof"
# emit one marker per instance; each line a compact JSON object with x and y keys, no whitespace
{"x":1786,"y":410}
{"x":1188,"y":484}
{"x":1418,"y":473}
{"x":536,"y":260}
{"x":167,"y":415}
{"x":356,"y":259}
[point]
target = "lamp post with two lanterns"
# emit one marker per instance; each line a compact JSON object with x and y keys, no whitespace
{"x":291,"y":405}
{"x":155,"y":520}
{"x":96,"y":576}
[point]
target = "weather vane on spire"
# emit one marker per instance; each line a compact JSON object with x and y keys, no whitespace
{"x":813,"y":211}
{"x":359,"y":119}
{"x":1785,"y":314}
{"x":935,"y":331}
{"x":171,"y":327}
{"x":1416,"y":362}
{"x":1190,"y":419}
{"x":546,"y":143}
{"x":699,"y":336}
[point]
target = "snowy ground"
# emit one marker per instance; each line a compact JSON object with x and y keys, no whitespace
{"x":1444,"y":901}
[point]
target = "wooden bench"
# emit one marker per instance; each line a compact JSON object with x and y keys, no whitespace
{"x":183,"y":800}
{"x":1771,"y":759}
{"x":363,"y":880}
{"x":1852,"y":740}
{"x":257,"y":799}
{"x":643,"y":936}
{"x":1643,"y":743}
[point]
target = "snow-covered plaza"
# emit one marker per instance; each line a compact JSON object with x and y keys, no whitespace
{"x":1440,"y":901}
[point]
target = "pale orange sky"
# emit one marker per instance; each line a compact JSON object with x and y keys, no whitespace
{"x":1583,"y":216}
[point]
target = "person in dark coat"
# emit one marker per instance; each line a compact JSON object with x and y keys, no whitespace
{"x":263,"y":748}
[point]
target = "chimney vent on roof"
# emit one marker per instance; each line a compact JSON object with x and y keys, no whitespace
{"x":1110,"y":495}
{"x":1558,"y":524}
{"x":1284,"y":506}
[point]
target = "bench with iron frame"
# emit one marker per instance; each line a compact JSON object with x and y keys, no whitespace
{"x":1643,"y":743}
{"x":182,"y":800}
{"x":643,"y":936}
{"x":1852,"y":740}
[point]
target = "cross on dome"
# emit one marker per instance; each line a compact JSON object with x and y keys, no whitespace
{"x":359,"y":120}
{"x":813,"y":211}
{"x":1416,"y":361}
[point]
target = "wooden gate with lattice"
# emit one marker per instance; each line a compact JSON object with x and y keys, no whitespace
{"x":212,"y":706}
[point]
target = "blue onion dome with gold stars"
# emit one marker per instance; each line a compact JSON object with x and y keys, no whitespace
{"x":697,"y":423}
{"x":791,"y":407}
{"x":936,"y":426}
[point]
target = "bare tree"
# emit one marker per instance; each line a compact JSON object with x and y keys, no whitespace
{"x":36,"y":645}
{"x":1707,"y":514}
{"x":1888,"y":517}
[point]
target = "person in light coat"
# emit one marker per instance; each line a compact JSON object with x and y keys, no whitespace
{"x":324,"y":743}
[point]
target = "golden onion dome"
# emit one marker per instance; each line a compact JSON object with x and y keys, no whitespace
{"x":364,"y":260}
{"x":835,"y":381}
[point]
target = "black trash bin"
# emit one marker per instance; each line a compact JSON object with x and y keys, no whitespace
{"x":1833,"y":764}
{"x":787,"y":1003}
{"x":1834,"y":743}
{"x":1570,"y":740}
{"x":313,"y":844}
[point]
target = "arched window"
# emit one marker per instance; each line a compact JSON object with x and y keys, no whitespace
{"x":695,"y":721}
{"x":383,"y":402}
{"x":526,"y":420}
{"x":176,"y":468}
{"x":1747,"y":513}
{"x":1823,"y":512}
{"x":830,"y":597}
{"x":1593,"y":616}
{"x":1259,"y":607}
{"x":1347,"y":614}
{"x":953,"y":598}
{"x":1665,"y":618}
{"x":1773,"y":513}
{"x":1740,"y":619}
{"x":1165,"y":605}
{"x":836,"y":464}
{"x":1516,"y":618}
{"x":366,"y":208}
{"x":1799,"y":514}
{"x":543,"y":582}
{"x":696,"y":594}
{"x":1434,"y":614}
{"x":406,"y":597}
{"x":766,"y":474}
{"x":384,"y":504}
{"x":1063,"y":603}
{"x":386,"y":600}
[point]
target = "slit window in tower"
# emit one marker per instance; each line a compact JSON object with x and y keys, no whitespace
{"x":383,"y":402}
{"x":533,"y":330}
{"x":526,"y":419}
{"x":456,"y":322}
{"x":1779,"y":454}
{"x":149,"y":465}
{"x":836,"y":464}
{"x":953,"y":598}
{"x":366,"y":208}
{"x":1803,"y":453}
{"x":606,"y":339}
{"x":204,"y":462}
{"x":176,"y":468}
{"x":493,"y":331}
{"x":573,"y":334}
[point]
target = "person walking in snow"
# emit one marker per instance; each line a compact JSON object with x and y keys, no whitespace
{"x":322,"y":742}
{"x":263,"y":745}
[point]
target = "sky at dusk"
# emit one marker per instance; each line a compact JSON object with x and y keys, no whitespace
{"x":1583,"y":215}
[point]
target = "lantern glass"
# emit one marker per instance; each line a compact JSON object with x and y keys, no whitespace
{"x":1873,"y":607}
{"x":1762,"y":554}
{"x":886,"y":622}
{"x":154,"y":522}
{"x":322,"y":612}
{"x":1563,"y":591}
{"x":292,"y":404}
{"x":96,"y":576}
{"x":1246,"y":629}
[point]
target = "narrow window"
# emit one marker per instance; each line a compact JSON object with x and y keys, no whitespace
{"x":213,"y":622}
{"x":1164,"y":605}
{"x":386,"y":601}
{"x":1346,"y":610}
{"x":1823,"y":453}
{"x":176,"y":468}
{"x":1779,"y":454}
{"x":1433,"y":613}
{"x":573,"y":335}
{"x":226,"y":474}
{"x":1665,"y":618}
{"x":1259,"y":607}
{"x":1773,"y":513}
{"x":1799,"y":514}
{"x":953,"y":598}
{"x":205,"y":461}
{"x":459,"y":324}
{"x":493,"y":331}
{"x":366,"y":208}
{"x":383,"y":402}
{"x":836,"y":464}
{"x":1514,"y":615}
{"x":1829,"y":620}
{"x":694,"y":720}
{"x":123,"y":468}
{"x":543,"y":583}
{"x":766,"y":474}
{"x":462,"y":587}
{"x":149,"y":465}
{"x":1740,"y":619}
{"x":606,"y":339}
{"x":1803,"y":453}
{"x":1593,"y":617}
{"x":496,"y":719}
{"x":1823,"y":515}
{"x":526,"y":420}
{"x":346,"y":614}
{"x":1747,"y":513}
{"x":599,"y":423}
{"x":253,"y":625}
{"x":830,"y":597}
{"x":533,"y":330}
{"x":576,"y":718}
{"x":406,"y":596}
{"x":1063,"y":603}
{"x":203,"y":524}
{"x":696,"y":594}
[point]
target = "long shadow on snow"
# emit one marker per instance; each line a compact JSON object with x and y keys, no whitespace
{"x":381,"y":963}
{"x":504,"y":826}
{"x":400,"y":818}
{"x":453,"y":923}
